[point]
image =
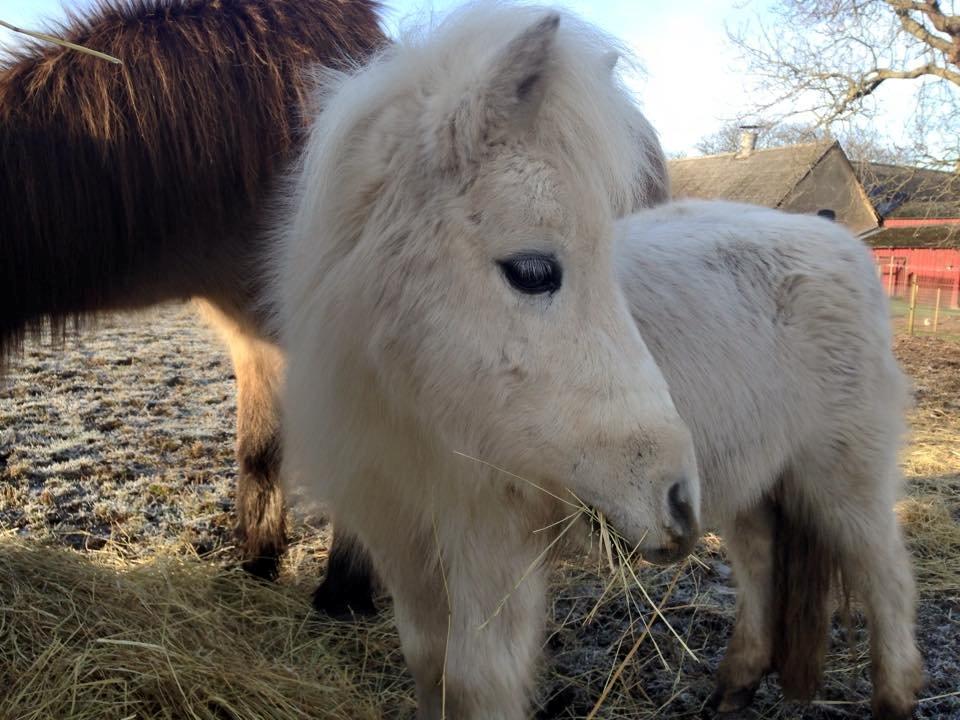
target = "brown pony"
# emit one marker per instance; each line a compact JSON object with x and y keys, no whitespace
{"x":125,"y":186}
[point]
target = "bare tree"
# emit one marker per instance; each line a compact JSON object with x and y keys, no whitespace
{"x":835,"y":58}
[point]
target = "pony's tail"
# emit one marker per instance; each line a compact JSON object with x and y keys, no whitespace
{"x":806,"y":569}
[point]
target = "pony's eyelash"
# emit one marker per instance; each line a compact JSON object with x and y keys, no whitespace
{"x":532,"y":273}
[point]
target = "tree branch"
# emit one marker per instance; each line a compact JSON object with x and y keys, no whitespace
{"x":946,"y":24}
{"x":872,"y":79}
{"x":919,"y":31}
{"x":949,"y":24}
{"x":840,"y":52}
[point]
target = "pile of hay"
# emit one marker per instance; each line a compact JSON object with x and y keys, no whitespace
{"x":930,"y":512}
{"x":106,"y":634}
{"x":92,"y":635}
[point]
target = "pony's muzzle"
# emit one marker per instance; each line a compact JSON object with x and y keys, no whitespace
{"x":681,"y":530}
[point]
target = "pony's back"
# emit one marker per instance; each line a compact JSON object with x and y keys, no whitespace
{"x":771,"y":328}
{"x":126,"y":185}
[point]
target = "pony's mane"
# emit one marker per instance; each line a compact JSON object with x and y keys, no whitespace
{"x":587,"y":119}
{"x":104,"y":164}
{"x":145,"y":34}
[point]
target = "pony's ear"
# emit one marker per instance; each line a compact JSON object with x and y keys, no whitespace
{"x":517,"y":79}
{"x":610,"y":60}
{"x":505,"y":99}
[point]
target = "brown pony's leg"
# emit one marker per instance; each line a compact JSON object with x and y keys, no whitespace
{"x":261,"y":514}
{"x":348,"y":587}
{"x":749,"y":542}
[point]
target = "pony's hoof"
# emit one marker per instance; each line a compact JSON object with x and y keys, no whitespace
{"x":343,"y":602}
{"x":888,"y":709}
{"x":729,"y":700}
{"x":898,"y":701}
{"x":264,"y":568}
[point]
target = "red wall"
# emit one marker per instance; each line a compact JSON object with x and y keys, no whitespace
{"x":933,"y":268}
{"x":918,"y":222}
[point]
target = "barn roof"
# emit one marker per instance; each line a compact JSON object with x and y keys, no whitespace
{"x":763,"y":177}
{"x":929,"y":236}
{"x":902,"y":191}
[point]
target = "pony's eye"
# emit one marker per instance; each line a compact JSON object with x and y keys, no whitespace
{"x":532,"y":273}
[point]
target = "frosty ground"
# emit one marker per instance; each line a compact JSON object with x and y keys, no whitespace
{"x":117,"y":469}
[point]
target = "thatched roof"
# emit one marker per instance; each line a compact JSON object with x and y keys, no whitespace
{"x":764,"y":177}
{"x":904,"y":191}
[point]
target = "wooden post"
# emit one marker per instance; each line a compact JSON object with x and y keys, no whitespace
{"x":913,"y":304}
{"x":936,"y":311}
{"x":890,"y":276}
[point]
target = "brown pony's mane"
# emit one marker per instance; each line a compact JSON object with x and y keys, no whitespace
{"x":118,"y":182}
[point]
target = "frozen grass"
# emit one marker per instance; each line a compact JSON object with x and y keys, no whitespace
{"x":119,"y":599}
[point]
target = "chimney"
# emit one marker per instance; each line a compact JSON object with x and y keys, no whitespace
{"x":748,"y":140}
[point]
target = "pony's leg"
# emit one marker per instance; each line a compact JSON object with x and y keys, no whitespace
{"x":261,"y":513}
{"x":348,"y":587}
{"x":417,"y":588}
{"x":470,"y":633}
{"x":749,"y":543}
{"x":876,"y":567}
{"x":493,"y":649}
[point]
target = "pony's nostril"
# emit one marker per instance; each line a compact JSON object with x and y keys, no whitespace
{"x":681,"y":510}
{"x":678,"y":494}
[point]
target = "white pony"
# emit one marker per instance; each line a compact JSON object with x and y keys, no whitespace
{"x":773,"y":333}
{"x":447,"y":286}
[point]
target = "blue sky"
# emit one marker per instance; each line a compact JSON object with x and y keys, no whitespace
{"x":676,"y":44}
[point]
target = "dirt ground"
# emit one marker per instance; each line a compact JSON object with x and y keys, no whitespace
{"x":125,"y":438}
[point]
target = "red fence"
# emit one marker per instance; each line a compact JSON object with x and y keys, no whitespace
{"x":932,"y":268}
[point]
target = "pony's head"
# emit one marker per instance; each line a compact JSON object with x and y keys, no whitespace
{"x":448,"y":275}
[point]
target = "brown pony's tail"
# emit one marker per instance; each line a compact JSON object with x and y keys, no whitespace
{"x":806,"y":569}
